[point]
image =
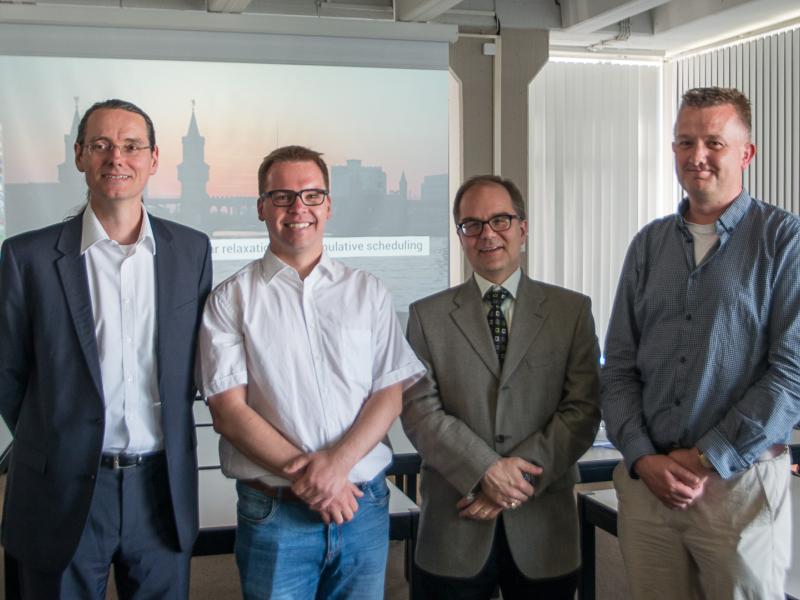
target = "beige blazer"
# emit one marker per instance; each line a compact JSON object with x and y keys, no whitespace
{"x":466,"y":413}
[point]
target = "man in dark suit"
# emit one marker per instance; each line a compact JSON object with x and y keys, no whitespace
{"x":508,"y":405}
{"x":98,"y":320}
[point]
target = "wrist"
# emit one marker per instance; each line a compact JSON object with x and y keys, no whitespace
{"x":640,"y":463}
{"x":707,"y":464}
{"x":343,"y":459}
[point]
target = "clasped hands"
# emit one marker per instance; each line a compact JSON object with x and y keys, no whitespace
{"x":677,"y":479}
{"x":503,"y":486}
{"x":320,"y":479}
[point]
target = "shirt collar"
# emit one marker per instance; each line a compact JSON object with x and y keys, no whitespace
{"x":511,"y":284}
{"x":728,"y":220}
{"x":92,"y":231}
{"x":271,"y":265}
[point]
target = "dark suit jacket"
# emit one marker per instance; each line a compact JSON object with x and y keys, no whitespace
{"x":467,"y":412}
{"x":50,"y":390}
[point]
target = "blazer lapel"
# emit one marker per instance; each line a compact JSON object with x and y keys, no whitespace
{"x":470,"y":317}
{"x":72,"y":272}
{"x":166,"y":266}
{"x":530,"y":312}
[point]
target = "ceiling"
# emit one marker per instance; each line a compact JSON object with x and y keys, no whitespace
{"x":656,"y":27}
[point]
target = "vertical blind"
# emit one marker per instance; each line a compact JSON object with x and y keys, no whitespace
{"x":596,"y":152}
{"x":766,"y":70}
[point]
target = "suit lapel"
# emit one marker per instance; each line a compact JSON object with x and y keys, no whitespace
{"x":470,"y":317}
{"x":166,"y":267}
{"x":530,"y":312}
{"x":72,"y":272}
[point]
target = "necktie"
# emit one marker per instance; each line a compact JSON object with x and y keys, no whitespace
{"x":497,"y":320}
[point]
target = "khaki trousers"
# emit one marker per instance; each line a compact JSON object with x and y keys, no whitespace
{"x":733,"y":543}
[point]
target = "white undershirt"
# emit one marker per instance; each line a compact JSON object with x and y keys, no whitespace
{"x":705,"y":238}
{"x":122,"y":290}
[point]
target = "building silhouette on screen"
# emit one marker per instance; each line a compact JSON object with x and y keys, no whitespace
{"x":363,"y":204}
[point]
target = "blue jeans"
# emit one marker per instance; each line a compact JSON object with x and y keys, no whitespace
{"x":285,"y":551}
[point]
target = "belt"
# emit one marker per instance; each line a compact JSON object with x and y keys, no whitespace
{"x":284,"y":493}
{"x":127,"y":461}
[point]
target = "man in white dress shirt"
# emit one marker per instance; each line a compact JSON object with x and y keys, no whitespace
{"x":303,"y":363}
{"x":98,"y":322}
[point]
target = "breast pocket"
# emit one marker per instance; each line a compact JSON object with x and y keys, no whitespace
{"x":355,"y":353}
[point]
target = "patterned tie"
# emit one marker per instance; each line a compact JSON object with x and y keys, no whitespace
{"x":497,"y":320}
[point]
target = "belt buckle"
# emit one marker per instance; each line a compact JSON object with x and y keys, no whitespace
{"x":136,"y":463}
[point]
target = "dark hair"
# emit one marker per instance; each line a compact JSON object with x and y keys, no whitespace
{"x":115,"y":103}
{"x":705,"y":97}
{"x":291,"y":154}
{"x":516,"y":196}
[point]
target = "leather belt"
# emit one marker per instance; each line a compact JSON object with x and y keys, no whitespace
{"x":127,"y":461}
{"x":283,"y":493}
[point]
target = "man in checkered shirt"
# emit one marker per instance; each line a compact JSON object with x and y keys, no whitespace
{"x":701,"y":384}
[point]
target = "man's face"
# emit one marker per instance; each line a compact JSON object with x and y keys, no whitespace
{"x":493,"y":255}
{"x":115,"y":176}
{"x":711,"y":149}
{"x":296,"y":231}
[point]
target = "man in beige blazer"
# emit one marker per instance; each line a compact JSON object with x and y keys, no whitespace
{"x":509,"y":404}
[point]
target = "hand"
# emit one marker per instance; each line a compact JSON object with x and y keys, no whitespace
{"x":504,"y":482}
{"x":318,"y":477}
{"x":343,"y":507}
{"x":689,"y":458}
{"x":478,"y":507}
{"x":673,"y":484}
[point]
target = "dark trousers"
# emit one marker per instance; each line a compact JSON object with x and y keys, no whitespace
{"x":131,"y":526}
{"x":499,"y":571}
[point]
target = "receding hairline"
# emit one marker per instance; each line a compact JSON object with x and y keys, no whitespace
{"x":714,"y":96}
{"x":732,"y":107}
{"x":483,"y":183}
{"x":113,"y":109}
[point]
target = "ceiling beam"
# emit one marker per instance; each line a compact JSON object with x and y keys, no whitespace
{"x":227,"y":6}
{"x":203,"y":21}
{"x":421,"y":10}
{"x":586,"y":16}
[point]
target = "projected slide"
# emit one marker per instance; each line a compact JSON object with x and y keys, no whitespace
{"x":383,"y":133}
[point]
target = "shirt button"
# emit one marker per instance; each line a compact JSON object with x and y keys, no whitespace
{"x":677,"y":402}
{"x":129,"y":379}
{"x":500,"y":438}
{"x":683,"y":359}
{"x":688,"y":317}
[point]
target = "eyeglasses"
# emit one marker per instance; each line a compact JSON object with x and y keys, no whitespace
{"x":474,"y":227}
{"x":103,"y":147}
{"x":310,"y":197}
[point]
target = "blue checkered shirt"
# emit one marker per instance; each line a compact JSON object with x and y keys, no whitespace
{"x":707,"y":356}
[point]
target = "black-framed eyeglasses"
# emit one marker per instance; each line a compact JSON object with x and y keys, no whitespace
{"x":310,"y":197}
{"x":474,"y":227}
{"x":104,"y":147}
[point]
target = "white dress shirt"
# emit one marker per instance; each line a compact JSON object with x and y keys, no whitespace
{"x":311,"y":352}
{"x":511,"y":285}
{"x":122,"y":289}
